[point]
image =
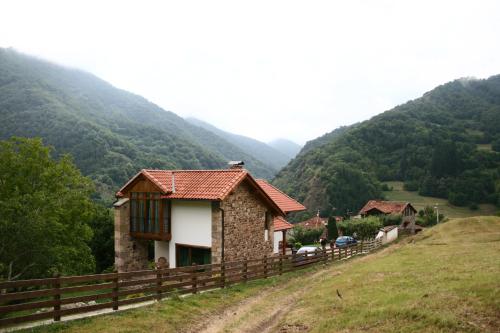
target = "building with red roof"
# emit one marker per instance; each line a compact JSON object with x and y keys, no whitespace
{"x":197,"y":217}
{"x":380,"y":207}
{"x":287,"y":205}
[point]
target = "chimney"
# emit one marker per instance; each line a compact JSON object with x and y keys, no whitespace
{"x":236,"y":164}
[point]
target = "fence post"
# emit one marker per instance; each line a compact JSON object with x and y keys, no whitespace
{"x":194,"y":278}
{"x":281,"y":264}
{"x":265,"y":266}
{"x":324,"y":257}
{"x":223,"y":274}
{"x":115,"y":291}
{"x":57,"y":297}
{"x":158,"y":284}
{"x":245,"y":270}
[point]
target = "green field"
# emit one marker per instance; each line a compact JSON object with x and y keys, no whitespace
{"x":419,"y":202}
{"x":445,"y":279}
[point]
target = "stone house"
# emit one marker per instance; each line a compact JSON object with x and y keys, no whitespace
{"x":280,"y":224}
{"x":405,"y":209}
{"x":192,"y":217}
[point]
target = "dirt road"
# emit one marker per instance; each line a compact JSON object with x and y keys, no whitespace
{"x":266,"y":311}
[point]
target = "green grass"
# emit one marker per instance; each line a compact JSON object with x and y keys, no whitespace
{"x":445,"y":279}
{"x":419,"y":202}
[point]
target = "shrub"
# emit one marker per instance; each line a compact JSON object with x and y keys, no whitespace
{"x":333,"y":233}
{"x":391,"y":219}
{"x":411,"y":185}
{"x":386,"y":187}
{"x":364,"y":228}
{"x":306,"y":236}
{"x":427,"y":217}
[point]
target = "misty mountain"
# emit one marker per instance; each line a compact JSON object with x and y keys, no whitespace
{"x":287,"y":147}
{"x":111,"y":133}
{"x":444,"y":144}
{"x":273,"y":158}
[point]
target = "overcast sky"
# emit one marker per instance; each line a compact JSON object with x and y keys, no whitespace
{"x":265,"y":69}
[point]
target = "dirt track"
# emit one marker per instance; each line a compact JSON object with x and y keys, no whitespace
{"x":264,"y":312}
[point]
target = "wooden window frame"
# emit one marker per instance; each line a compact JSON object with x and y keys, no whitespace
{"x":179,"y":245}
{"x":138,"y":221}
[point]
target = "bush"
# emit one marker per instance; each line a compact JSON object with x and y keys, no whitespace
{"x":306,"y":236}
{"x":473,"y":206}
{"x":386,"y":187}
{"x":411,"y":185}
{"x":364,"y":228}
{"x":391,"y":219}
{"x":333,"y":233}
{"x":427,"y":217}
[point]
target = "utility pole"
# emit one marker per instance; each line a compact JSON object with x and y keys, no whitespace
{"x":437,"y":213}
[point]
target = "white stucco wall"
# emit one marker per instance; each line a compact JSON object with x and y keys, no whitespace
{"x":391,"y":235}
{"x":278,"y":236}
{"x":191,"y":225}
{"x":161,"y":250}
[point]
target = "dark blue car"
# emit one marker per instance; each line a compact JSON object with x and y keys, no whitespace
{"x":344,"y":241}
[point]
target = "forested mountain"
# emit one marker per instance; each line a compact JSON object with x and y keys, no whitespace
{"x":110,"y":133}
{"x":287,"y":147}
{"x":269,"y":156}
{"x":444,"y":144}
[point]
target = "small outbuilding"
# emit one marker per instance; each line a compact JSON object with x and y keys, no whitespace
{"x":388,"y":234}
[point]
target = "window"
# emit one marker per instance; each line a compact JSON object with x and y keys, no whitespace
{"x":191,"y":255}
{"x":149,"y":214}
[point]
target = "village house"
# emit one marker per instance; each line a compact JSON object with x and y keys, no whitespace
{"x":193,"y":217}
{"x":405,"y":209}
{"x":287,"y":205}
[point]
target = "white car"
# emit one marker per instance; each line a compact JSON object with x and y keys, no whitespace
{"x":309,"y":249}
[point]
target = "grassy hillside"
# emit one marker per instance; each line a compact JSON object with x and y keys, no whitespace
{"x":110,"y":133}
{"x":266,"y":154}
{"x":442,"y":280}
{"x":444,"y":144}
{"x":449,"y":210}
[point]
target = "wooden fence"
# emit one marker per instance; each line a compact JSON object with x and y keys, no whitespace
{"x":32,"y":300}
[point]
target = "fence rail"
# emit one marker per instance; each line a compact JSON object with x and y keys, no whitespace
{"x":52,"y":298}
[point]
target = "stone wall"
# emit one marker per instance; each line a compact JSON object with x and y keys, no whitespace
{"x":130,"y":254}
{"x":216,"y":233}
{"x":244,"y":225}
{"x":408,"y":223}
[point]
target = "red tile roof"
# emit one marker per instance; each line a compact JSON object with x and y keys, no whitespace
{"x":314,"y":223}
{"x":193,"y":184}
{"x":199,"y":184}
{"x":286,"y":203}
{"x":280,"y":224}
{"x":386,"y":207}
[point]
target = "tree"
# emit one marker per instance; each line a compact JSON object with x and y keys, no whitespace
{"x":365,"y":228}
{"x":44,"y":208}
{"x":333,"y":233}
{"x":102,"y":242}
{"x":427,"y":217}
{"x":306,"y":236}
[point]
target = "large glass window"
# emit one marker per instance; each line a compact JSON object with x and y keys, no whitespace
{"x":189,"y":255}
{"x":146,"y":210}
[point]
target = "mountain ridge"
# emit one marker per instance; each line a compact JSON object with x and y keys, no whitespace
{"x":431,"y":143}
{"x":110,"y":132}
